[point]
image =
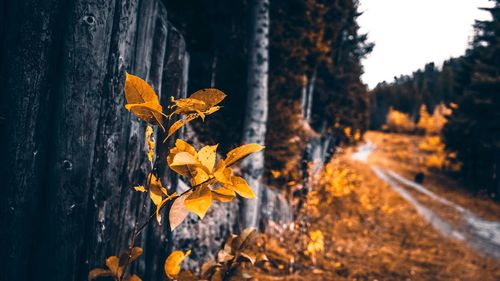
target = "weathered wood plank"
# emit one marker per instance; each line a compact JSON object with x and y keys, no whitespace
{"x":174,"y":84}
{"x":155,"y":239}
{"x":79,"y":97}
{"x":30,"y":45}
{"x":105,"y":234}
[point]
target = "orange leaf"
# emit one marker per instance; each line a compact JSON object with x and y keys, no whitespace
{"x":198,"y":176}
{"x":142,"y":100}
{"x":207,"y":156}
{"x":113,"y":263}
{"x":172,"y":264}
{"x":156,"y":189}
{"x":199,"y":201}
{"x":99,"y":272}
{"x":140,"y":188}
{"x":209,"y":96}
{"x":241,"y":152}
{"x":150,"y":142}
{"x":184,"y":159}
{"x":241,"y":187}
{"x":179,"y":123}
{"x":180,"y":146}
{"x":223,"y":194}
{"x":135,"y":253}
{"x":178,"y":211}
{"x":223,"y":174}
{"x":159,"y":206}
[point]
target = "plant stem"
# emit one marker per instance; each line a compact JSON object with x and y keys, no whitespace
{"x":139,"y":230}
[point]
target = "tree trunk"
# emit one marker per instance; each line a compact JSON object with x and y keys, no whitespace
{"x":307,"y":96}
{"x":254,"y":129}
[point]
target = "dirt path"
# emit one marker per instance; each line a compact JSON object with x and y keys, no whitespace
{"x":375,"y":224}
{"x":484,"y":235}
{"x":481,"y":234}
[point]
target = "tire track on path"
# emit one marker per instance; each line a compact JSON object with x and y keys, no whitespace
{"x":483,"y":235}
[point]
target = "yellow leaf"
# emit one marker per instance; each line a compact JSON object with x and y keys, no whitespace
{"x":201,"y":114}
{"x":176,"y":126}
{"x":199,"y":176}
{"x":159,"y":206}
{"x":142,"y":100}
{"x":207,"y":156}
{"x":99,"y":272}
{"x":172,"y":264}
{"x":199,"y":201}
{"x":178,"y":211}
{"x":188,"y":105}
{"x":140,"y":188}
{"x":209,"y":96}
{"x":150,"y":142}
{"x":223,"y":174}
{"x":137,"y":90}
{"x":347,"y":131}
{"x":241,"y":187}
{"x":184,"y":146}
{"x":242,"y":151}
{"x":179,"y":123}
{"x":184,"y":159}
{"x":148,"y":111}
{"x":223,"y":194}
{"x":200,"y":103}
{"x":212,"y":110}
{"x":180,"y":146}
{"x":156,"y":189}
{"x":112,"y":263}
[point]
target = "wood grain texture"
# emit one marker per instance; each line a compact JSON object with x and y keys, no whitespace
{"x":70,"y":151}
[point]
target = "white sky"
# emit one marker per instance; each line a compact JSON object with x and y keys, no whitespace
{"x":410,"y":33}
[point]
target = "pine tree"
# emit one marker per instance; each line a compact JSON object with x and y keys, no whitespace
{"x":473,"y":130}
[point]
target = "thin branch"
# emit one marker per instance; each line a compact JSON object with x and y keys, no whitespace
{"x":139,"y":230}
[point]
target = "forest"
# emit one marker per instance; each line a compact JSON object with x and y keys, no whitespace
{"x":239,"y":140}
{"x":469,"y":85}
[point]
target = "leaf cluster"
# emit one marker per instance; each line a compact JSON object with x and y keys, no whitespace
{"x":116,"y":267}
{"x":237,"y":249}
{"x":211,"y":177}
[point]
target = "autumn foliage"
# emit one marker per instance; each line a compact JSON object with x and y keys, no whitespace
{"x":210,"y":177}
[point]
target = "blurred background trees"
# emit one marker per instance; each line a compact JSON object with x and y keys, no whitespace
{"x":315,"y":89}
{"x":470,"y":86}
{"x":473,"y":130}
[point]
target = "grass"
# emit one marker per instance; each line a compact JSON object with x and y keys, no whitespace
{"x":369,"y":232}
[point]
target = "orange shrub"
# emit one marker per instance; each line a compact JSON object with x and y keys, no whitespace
{"x":399,"y":122}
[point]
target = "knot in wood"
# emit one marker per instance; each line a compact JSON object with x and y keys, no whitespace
{"x":89,"y":20}
{"x":67,"y":165}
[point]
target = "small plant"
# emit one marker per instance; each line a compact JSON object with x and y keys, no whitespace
{"x":398,"y":122}
{"x":209,"y":178}
{"x":316,"y":244}
{"x":432,"y":124}
{"x":237,"y":250}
